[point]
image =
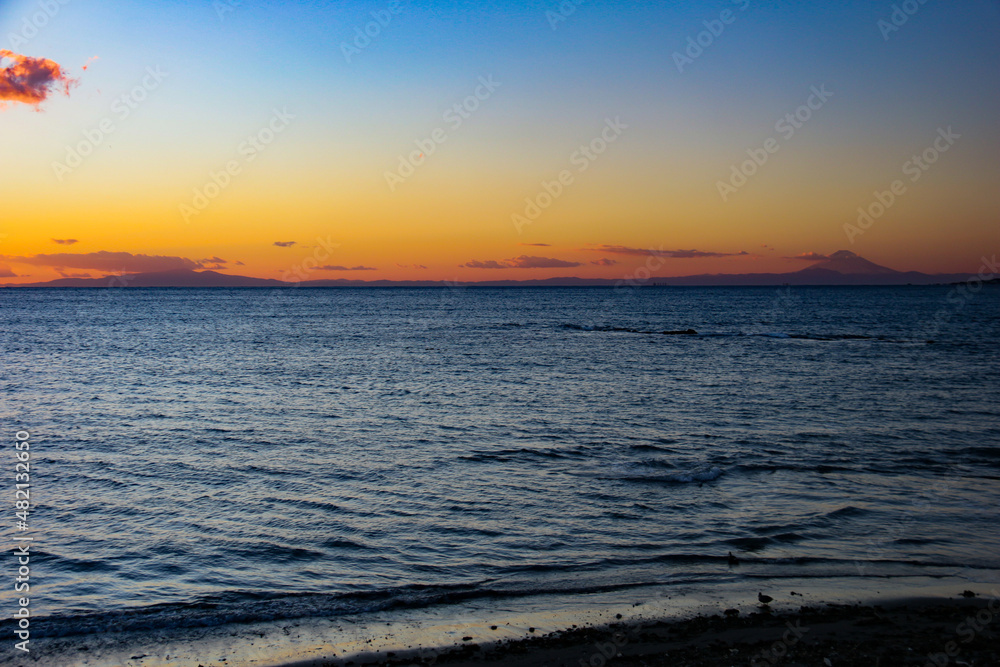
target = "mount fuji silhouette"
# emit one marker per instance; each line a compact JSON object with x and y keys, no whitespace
{"x":847,"y":263}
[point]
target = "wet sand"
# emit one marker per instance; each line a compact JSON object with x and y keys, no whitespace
{"x":937,"y":632}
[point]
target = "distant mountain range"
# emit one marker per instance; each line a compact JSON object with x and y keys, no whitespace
{"x":841,"y":268}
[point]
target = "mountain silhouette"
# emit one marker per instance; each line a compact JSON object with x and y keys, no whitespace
{"x":847,"y":263}
{"x":841,"y":268}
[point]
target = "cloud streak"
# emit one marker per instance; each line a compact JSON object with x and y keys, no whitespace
{"x":330,"y":267}
{"x":30,"y":80}
{"x":810,"y":257}
{"x":521,"y":262}
{"x":65,"y":241}
{"x":284,"y":244}
{"x":668,"y":254}
{"x":214,"y":263}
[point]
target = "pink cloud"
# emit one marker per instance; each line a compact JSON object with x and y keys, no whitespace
{"x":30,"y":80}
{"x":672,"y":254}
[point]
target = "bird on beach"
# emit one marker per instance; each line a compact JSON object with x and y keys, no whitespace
{"x":765,"y":599}
{"x":733,"y":560}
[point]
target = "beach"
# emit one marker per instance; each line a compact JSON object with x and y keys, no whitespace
{"x":937,"y":624}
{"x":904,"y":632}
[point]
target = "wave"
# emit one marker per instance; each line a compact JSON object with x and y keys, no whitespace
{"x":580,"y":327}
{"x":733,"y":334}
{"x":522,"y":453}
{"x":649,"y":448}
{"x":984,"y":452}
{"x":709,"y":475}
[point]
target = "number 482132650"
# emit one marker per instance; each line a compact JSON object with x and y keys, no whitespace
{"x":22,"y":471}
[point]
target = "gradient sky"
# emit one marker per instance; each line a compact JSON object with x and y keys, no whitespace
{"x":230,"y":66}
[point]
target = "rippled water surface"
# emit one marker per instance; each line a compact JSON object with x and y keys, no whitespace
{"x":258,"y":454}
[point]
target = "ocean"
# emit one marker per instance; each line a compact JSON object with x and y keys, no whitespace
{"x":230,"y":456}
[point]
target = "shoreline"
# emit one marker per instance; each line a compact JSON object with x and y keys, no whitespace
{"x":848,"y":621}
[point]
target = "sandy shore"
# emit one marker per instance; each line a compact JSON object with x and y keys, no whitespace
{"x":830,"y":623}
{"x":932,"y":632}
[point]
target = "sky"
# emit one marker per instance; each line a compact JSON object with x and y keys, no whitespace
{"x":447,"y":140}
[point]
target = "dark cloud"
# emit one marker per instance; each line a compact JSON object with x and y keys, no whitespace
{"x":537,"y":245}
{"x":103,"y":260}
{"x":604,"y":261}
{"x":810,"y":257}
{"x":284,"y":244}
{"x":65,"y":241}
{"x":115,"y":262}
{"x":5,"y":272}
{"x":346,"y":268}
{"x":488,"y":264}
{"x":239,"y":263}
{"x":522,"y":262}
{"x":30,"y":80}
{"x":670,"y":254}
